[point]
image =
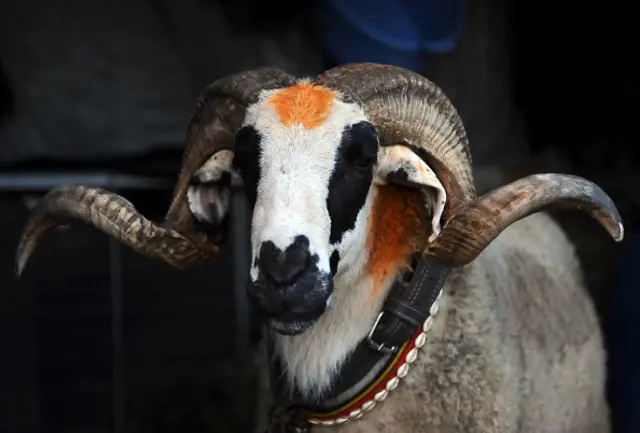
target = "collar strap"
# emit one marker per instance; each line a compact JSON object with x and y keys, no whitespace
{"x":384,"y":384}
{"x":397,"y":334}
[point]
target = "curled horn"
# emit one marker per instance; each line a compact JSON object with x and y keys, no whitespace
{"x":474,"y":226}
{"x":407,"y":108}
{"x":177,"y":240}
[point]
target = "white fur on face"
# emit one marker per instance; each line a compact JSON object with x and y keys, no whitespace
{"x":312,"y":359}
{"x":295,"y":168}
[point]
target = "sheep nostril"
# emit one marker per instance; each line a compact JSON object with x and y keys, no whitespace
{"x":284,"y":267}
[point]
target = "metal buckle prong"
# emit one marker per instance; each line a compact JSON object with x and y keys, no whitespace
{"x":379,"y":347}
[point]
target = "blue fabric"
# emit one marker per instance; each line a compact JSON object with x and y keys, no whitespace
{"x":397,"y":32}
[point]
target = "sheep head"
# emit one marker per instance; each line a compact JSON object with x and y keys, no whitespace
{"x":318,"y":159}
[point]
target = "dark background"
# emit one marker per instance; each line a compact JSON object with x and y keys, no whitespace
{"x":97,"y":339}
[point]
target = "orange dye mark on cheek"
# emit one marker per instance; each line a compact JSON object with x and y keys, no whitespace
{"x":303,"y":103}
{"x":395,"y":231}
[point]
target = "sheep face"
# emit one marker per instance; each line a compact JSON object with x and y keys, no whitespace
{"x":308,"y":160}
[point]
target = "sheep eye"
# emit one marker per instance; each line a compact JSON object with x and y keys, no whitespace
{"x":246,"y":149}
{"x":363,"y":163}
{"x":360,"y":146}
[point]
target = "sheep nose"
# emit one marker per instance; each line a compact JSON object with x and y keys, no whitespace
{"x":283,"y":267}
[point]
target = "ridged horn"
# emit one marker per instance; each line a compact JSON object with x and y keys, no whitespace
{"x":407,"y":108}
{"x":113,"y":215}
{"x":476,"y":225}
{"x":176,"y":241}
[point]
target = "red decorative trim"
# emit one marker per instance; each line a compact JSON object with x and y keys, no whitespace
{"x":349,"y":410}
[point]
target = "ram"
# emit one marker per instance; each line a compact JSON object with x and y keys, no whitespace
{"x":394,"y":299}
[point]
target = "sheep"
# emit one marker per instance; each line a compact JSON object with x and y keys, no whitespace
{"x":393,"y":299}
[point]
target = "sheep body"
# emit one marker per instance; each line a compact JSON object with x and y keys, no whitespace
{"x":516,"y":347}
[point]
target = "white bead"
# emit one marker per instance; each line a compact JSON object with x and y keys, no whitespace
{"x":420,"y":340}
{"x":427,"y":324}
{"x":354,"y":414}
{"x":392,"y":384}
{"x":359,"y":415}
{"x":439,"y":295}
{"x":403,"y":370}
{"x":381,"y":395}
{"x":368,"y":405}
{"x":411,"y":356}
{"x":435,"y":307}
{"x":314,"y":421}
{"x":329,"y":422}
{"x":342,"y":420}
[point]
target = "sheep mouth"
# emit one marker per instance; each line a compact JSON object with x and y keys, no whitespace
{"x":294,"y":323}
{"x":291,"y":309}
{"x":289,"y":328}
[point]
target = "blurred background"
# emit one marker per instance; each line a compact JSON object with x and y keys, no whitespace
{"x":96,"y":339}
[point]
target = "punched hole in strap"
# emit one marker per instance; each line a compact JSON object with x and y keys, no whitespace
{"x":405,"y":312}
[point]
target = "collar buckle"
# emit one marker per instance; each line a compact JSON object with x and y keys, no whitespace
{"x":379,"y":347}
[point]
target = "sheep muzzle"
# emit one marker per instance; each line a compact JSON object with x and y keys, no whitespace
{"x":290,"y":290}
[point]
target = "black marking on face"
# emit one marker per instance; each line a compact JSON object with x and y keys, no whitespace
{"x":333,"y":262}
{"x":289,"y":293}
{"x":351,"y":177}
{"x":284,"y":267}
{"x":246,"y":160}
{"x":399,"y":176}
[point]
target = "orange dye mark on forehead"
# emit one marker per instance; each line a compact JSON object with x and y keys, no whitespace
{"x":303,"y":103}
{"x":395,"y":231}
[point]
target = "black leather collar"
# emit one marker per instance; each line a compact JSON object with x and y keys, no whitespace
{"x":404,"y":311}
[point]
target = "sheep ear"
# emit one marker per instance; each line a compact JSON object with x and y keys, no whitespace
{"x":209,"y":194}
{"x":399,"y":164}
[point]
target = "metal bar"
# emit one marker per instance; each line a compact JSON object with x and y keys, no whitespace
{"x":34,"y":180}
{"x":241,"y":261}
{"x":117,"y":335}
{"x":117,"y":329}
